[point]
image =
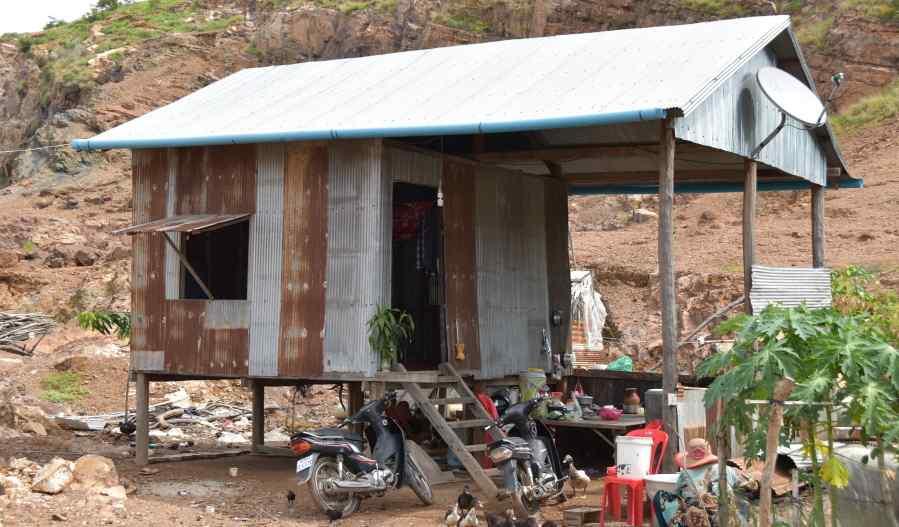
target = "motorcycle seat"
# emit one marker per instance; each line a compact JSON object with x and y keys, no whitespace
{"x":325,"y":434}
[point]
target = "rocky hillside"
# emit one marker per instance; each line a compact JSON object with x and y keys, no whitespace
{"x":74,"y":80}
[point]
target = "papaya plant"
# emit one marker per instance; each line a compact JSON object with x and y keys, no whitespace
{"x":388,"y":329}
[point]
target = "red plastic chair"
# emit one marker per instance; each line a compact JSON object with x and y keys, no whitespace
{"x":611,"y":497}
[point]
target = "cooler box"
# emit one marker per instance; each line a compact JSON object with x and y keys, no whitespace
{"x":633,"y":456}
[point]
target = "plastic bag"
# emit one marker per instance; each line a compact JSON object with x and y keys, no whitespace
{"x":621,"y":364}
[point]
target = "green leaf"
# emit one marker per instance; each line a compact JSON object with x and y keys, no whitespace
{"x":834,"y":473}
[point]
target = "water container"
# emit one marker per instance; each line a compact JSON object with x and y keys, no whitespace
{"x":657,"y":482}
{"x":531,"y":382}
{"x":633,"y":456}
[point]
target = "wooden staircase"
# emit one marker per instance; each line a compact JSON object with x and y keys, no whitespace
{"x":450,"y":380}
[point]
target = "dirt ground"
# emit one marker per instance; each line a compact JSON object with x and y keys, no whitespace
{"x":180,"y":494}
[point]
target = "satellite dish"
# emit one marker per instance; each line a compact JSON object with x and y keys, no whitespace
{"x":791,"y":96}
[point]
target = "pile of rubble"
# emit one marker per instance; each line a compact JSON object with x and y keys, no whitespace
{"x":22,"y":480}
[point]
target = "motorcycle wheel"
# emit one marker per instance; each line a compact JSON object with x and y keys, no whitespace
{"x":524,"y":507}
{"x":344,"y":504}
{"x":417,"y":481}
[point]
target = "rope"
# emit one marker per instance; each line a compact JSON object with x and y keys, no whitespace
{"x":20,"y":150}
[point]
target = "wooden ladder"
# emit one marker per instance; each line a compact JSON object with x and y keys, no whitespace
{"x":429,"y":406}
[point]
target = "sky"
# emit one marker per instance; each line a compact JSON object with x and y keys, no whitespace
{"x":21,"y":16}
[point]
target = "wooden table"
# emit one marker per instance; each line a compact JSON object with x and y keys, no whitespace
{"x":600,"y":427}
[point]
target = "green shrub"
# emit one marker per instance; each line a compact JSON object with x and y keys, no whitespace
{"x":815,"y":33}
{"x":720,"y":8}
{"x":63,"y":387}
{"x":883,"y":9}
{"x":868,"y":111}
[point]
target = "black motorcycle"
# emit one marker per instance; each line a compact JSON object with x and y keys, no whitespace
{"x":528,"y":459}
{"x":339,"y":474}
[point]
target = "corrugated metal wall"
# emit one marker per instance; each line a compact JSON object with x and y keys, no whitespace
{"x":264,"y":288}
{"x":360,"y":198}
{"x":412,"y":167}
{"x":790,"y":287}
{"x":557,"y":264}
{"x":737,"y":117}
{"x":511,"y":257}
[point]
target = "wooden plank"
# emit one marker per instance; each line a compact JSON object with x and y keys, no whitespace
{"x":818,"y":238}
{"x":469,"y":423}
{"x":452,"y":400}
{"x":558,"y":267}
{"x":461,"y":265}
{"x":463,"y":389}
{"x":194,"y":456}
{"x":452,"y":440}
{"x":683,"y":176}
{"x":623,"y":424}
{"x":304,"y":260}
{"x":668,"y":285}
{"x":749,"y":200}
{"x":141,"y":417}
{"x":258,"y":439}
{"x":476,"y":448}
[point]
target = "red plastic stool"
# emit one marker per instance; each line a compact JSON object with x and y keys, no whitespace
{"x":637,"y":490}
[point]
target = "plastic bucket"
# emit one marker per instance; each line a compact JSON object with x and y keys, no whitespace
{"x":633,"y":456}
{"x":657,"y":482}
{"x":531,"y":382}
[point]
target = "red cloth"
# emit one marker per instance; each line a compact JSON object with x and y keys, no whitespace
{"x":488,"y":405}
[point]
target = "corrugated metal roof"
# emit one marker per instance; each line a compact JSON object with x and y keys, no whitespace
{"x":528,"y":84}
{"x":185,"y":223}
{"x":790,"y":287}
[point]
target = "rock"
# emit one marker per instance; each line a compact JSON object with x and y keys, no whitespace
{"x":54,"y":477}
{"x":84,"y":258}
{"x":643,"y":215}
{"x":28,"y":419}
{"x":69,"y":203}
{"x":8,"y":259}
{"x":57,"y":517}
{"x":92,"y":471}
{"x":707,"y":217}
{"x":56,"y":259}
{"x":116,"y":492}
{"x":227,"y":439}
{"x":276,"y":436}
{"x":118,"y":253}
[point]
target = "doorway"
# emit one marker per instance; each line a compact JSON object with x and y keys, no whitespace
{"x":416,"y":283}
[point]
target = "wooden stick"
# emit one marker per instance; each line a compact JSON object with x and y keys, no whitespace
{"x":818,"y":238}
{"x":724,"y":501}
{"x":668,"y":285}
{"x":782,"y":390}
{"x":749,"y":199}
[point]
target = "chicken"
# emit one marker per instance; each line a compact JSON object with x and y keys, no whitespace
{"x":452,"y":516}
{"x":578,"y":479}
{"x":527,"y":522}
{"x":333,"y":515}
{"x":550,"y":523}
{"x":291,"y":498}
{"x":497,"y":520}
{"x":466,"y":501}
{"x":470,"y":519}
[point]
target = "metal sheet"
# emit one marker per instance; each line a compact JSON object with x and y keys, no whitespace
{"x":511,"y":256}
{"x":228,"y":314}
{"x":224,"y":352}
{"x":557,"y":264}
{"x":264,"y":289}
{"x":359,"y":252}
{"x":191,"y":181}
{"x":304,"y":260}
{"x":172,"y":262}
{"x":185,"y":223}
{"x":738,"y":116}
{"x":417,"y":168}
{"x":184,"y":335}
{"x":790,"y":287}
{"x":461,"y":264}
{"x":523,"y":84}
{"x":230,"y":173}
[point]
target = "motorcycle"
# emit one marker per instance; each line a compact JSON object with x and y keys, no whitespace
{"x":338,"y":472}
{"x":528,"y":459}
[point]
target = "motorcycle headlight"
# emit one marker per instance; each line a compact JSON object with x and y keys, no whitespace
{"x":500,"y":454}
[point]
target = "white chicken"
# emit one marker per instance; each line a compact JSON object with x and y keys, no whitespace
{"x":452,"y":517}
{"x":470,"y":519}
{"x":578,"y":478}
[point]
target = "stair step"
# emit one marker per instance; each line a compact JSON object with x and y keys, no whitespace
{"x":452,"y":400}
{"x":470,"y":423}
{"x":476,"y":448}
{"x":492,"y":472}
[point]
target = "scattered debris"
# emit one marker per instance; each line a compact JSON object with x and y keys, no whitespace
{"x":18,"y":328}
{"x":54,"y":476}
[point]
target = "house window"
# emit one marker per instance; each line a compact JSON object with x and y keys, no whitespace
{"x":220,"y":258}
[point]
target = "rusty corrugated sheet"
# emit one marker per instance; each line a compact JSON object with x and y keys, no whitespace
{"x":191,"y":181}
{"x":461,"y":264}
{"x":557,"y":265}
{"x":149,"y":185}
{"x":264,"y":289}
{"x":228,"y":314}
{"x":185,"y":321}
{"x":184,"y":223}
{"x":412,"y":167}
{"x":231,"y":175}
{"x":224,"y":352}
{"x":305,"y":244}
{"x":790,"y":287}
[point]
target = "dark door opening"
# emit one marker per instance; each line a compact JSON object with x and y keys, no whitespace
{"x":416,"y":288}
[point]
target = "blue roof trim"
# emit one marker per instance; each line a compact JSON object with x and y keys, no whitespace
{"x":652,"y":114}
{"x":701,"y":188}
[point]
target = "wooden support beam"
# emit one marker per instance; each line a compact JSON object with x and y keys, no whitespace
{"x":142,"y":420}
{"x":818,"y":238}
{"x":186,"y":264}
{"x":258,"y":439}
{"x":668,"y":285}
{"x":683,"y":176}
{"x":749,"y":199}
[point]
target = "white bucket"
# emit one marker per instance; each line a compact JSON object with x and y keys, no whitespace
{"x":657,"y":482}
{"x":633,"y":456}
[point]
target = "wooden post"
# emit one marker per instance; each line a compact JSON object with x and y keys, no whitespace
{"x":782,"y":390}
{"x":141,"y":417}
{"x":668,"y":285}
{"x":258,"y":416}
{"x":357,"y":398}
{"x":818,"y":240}
{"x":749,"y":198}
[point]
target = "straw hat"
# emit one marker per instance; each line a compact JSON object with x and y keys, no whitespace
{"x":698,"y":454}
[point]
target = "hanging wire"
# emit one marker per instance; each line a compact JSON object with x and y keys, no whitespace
{"x":20,"y":150}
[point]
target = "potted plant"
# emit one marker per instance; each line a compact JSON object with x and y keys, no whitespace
{"x":388,"y":328}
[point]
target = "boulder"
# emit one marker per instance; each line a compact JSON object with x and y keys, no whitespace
{"x":84,"y":258}
{"x":116,"y":492}
{"x":92,"y":471}
{"x":643,"y":215}
{"x":53,"y":477}
{"x":27,"y":419}
{"x":8,"y":259}
{"x":57,"y":258}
